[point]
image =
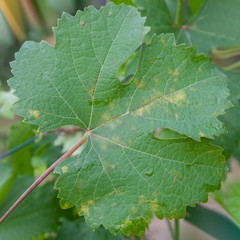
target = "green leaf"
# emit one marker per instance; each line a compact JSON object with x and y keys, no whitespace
{"x":228,"y":197}
{"x":38,"y":214}
{"x":158,"y":16}
{"x":217,"y":225}
{"x":21,"y":160}
{"x":5,"y":179}
{"x":210,"y":28}
{"x":230,"y":141}
{"x":78,"y":229}
{"x":45,"y":153}
{"x":128,"y":182}
{"x":127,"y":2}
{"x":104,"y":38}
{"x":124,"y":173}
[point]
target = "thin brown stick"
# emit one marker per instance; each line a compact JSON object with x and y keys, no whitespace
{"x":44,"y":175}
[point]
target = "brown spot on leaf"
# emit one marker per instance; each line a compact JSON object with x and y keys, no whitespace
{"x":83,"y":24}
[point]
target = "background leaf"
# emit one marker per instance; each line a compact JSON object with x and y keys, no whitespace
{"x":213,"y":223}
{"x":38,"y":214}
{"x":228,"y":197}
{"x":78,"y":229}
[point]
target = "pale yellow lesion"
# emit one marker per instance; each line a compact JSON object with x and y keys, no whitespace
{"x":156,"y":79}
{"x":34,"y":113}
{"x":65,"y":206}
{"x":136,"y":81}
{"x":201,"y":134}
{"x":64,"y":169}
{"x":106,"y":116}
{"x":176,"y":72}
{"x":112,"y":104}
{"x":85,"y":209}
{"x":192,"y":89}
{"x":177,"y":98}
{"x":134,"y":210}
{"x":141,"y":85}
{"x":141,"y":199}
{"x":170,"y":71}
{"x":163,"y":41}
{"x":90,"y":202}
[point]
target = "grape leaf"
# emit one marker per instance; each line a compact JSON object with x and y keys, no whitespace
{"x":38,"y":214}
{"x":127,"y":2}
{"x":120,"y":185}
{"x":5,"y":179}
{"x":217,"y":225}
{"x":228,"y":197}
{"x":78,"y":229}
{"x":208,"y":30}
{"x":124,"y":173}
{"x":230,"y":141}
{"x":21,"y":160}
{"x":158,"y":16}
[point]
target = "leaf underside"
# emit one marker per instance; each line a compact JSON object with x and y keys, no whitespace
{"x":124,"y":173}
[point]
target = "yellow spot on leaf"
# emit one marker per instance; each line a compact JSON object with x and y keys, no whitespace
{"x":66,"y":206}
{"x":141,"y":199}
{"x":163,"y":41}
{"x":177,"y":98}
{"x":139,"y":112}
{"x":90,"y":202}
{"x":176,"y":72}
{"x":141,"y":85}
{"x":201,"y":134}
{"x":64,"y":169}
{"x":192,"y":89}
{"x":176,"y":116}
{"x":136,"y":81}
{"x":112,"y":104}
{"x":170,"y":72}
{"x":156,"y":79}
{"x":106,"y":116}
{"x":85,"y":209}
{"x":200,"y":70}
{"x":34,"y":113}
{"x":134,"y":210}
{"x":157,"y":93}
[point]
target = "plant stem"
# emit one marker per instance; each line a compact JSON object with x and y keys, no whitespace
{"x":170,"y":228}
{"x":29,"y":141}
{"x":179,"y":12}
{"x":177,"y":232}
{"x":44,"y":175}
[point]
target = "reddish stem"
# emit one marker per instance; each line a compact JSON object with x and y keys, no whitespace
{"x":44,"y":175}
